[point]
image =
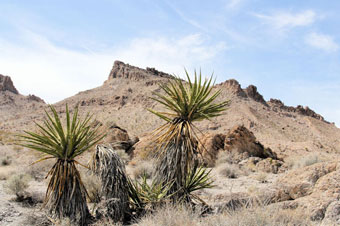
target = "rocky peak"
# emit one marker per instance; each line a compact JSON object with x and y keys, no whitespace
{"x":234,"y":87}
{"x":278,"y":105}
{"x":251,"y":92}
{"x":122,"y":70}
{"x":6,"y":84}
{"x":33,"y":97}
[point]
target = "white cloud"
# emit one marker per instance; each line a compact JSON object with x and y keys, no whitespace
{"x":170,"y":55}
{"x":52,"y":72}
{"x":285,"y":20}
{"x":233,"y":4}
{"x":322,"y":41}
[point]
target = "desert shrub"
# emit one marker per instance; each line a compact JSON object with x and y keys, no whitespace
{"x":143,"y":168}
{"x":17,"y":185}
{"x":123,"y":155}
{"x":34,"y":219}
{"x":5,"y":161}
{"x":229,"y":170}
{"x":261,"y":177}
{"x":304,"y":161}
{"x":223,"y":157}
{"x":38,"y":171}
{"x":170,"y":215}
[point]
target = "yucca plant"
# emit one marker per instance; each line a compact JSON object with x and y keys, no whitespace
{"x":198,"y":178}
{"x":146,"y":196}
{"x":110,"y":168}
{"x":66,"y":193}
{"x":177,"y":140}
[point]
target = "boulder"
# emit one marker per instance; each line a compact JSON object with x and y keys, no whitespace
{"x":269,"y":165}
{"x":242,"y":141}
{"x":210,"y":146}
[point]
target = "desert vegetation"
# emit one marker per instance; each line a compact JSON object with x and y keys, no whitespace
{"x":66,"y":193}
{"x":175,"y":175}
{"x":177,"y":140}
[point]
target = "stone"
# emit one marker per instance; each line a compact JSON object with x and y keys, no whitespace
{"x":242,"y":140}
{"x":126,"y":71}
{"x":234,"y":87}
{"x":210,"y":145}
{"x":269,"y":165}
{"x":6,"y":84}
{"x":252,"y":93}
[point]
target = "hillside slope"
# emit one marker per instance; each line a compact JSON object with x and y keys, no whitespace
{"x":125,"y":96}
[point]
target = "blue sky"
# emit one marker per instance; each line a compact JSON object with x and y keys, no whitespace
{"x":289,"y":49}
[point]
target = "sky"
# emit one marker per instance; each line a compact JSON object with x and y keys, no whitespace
{"x":289,"y":49}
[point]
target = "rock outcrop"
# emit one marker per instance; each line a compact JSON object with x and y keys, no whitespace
{"x":239,"y":142}
{"x":119,"y":138}
{"x":33,"y":97}
{"x":234,"y":87}
{"x":122,"y":70}
{"x":252,"y":93}
{"x":314,"y":189}
{"x":6,"y":84}
{"x":278,"y":105}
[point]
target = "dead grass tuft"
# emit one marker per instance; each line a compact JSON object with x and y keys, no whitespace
{"x":17,"y":184}
{"x":304,"y":161}
{"x":143,"y":168}
{"x":182,"y":215}
{"x":229,"y":170}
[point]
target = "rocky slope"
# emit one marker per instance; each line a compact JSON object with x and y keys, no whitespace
{"x":125,"y":96}
{"x":255,"y":137}
{"x":15,"y":107}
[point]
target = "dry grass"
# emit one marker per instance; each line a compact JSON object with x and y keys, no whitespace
{"x":93,"y":187}
{"x":17,"y":184}
{"x":5,"y":175}
{"x":6,"y":161}
{"x":143,"y":168}
{"x":229,"y":170}
{"x":223,"y":157}
{"x":304,"y":161}
{"x":39,"y":171}
{"x":123,"y":155}
{"x":6,"y":137}
{"x":261,"y":177}
{"x":255,"y":216}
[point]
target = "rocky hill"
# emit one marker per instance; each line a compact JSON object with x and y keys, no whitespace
{"x":261,"y":151}
{"x":124,"y":97}
{"x":15,"y":107}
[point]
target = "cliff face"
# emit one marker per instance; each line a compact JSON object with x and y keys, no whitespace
{"x":6,"y":84}
{"x":122,"y":70}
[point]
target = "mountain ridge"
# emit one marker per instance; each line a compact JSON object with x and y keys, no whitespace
{"x":125,"y":95}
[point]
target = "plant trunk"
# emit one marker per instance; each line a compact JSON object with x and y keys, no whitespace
{"x":66,"y":194}
{"x":111,"y":170}
{"x":173,"y":166}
